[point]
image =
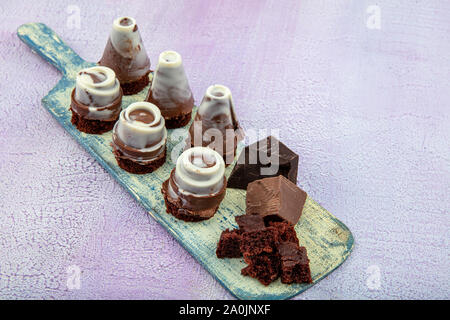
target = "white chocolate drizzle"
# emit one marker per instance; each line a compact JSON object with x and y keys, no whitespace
{"x":97,"y":87}
{"x":170,"y":84}
{"x":198,"y":177}
{"x":217,"y":102}
{"x":147,"y":137}
{"x":127,"y":41}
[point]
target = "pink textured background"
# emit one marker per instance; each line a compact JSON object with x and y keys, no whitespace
{"x":367,"y":110}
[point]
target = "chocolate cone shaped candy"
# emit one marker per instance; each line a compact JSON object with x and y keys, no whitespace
{"x":170,"y":90}
{"x":96,"y":100}
{"x":215,"y":125}
{"x":197,"y":185}
{"x":125,"y":54}
{"x":139,"y":138}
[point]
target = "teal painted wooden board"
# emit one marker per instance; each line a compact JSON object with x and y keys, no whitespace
{"x":328,"y":241}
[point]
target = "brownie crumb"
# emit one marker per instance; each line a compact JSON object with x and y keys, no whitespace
{"x":264,"y":267}
{"x":229,"y":244}
{"x":294,"y":263}
{"x":270,"y":248}
{"x":286,"y":231}
{"x":256,"y":242}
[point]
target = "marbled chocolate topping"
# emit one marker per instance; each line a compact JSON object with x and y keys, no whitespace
{"x":198,"y":182}
{"x":126,"y":22}
{"x":140,"y":133}
{"x":215,"y":124}
{"x":170,"y":89}
{"x":125,"y":52}
{"x":203,"y":161}
{"x":97,"y":94}
{"x":95,"y":77}
{"x":142,"y":115}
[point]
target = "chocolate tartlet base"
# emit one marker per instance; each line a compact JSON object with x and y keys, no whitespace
{"x":174,"y":208}
{"x":136,"y":86}
{"x":136,"y":168}
{"x":182,"y":214}
{"x":91,"y":126}
{"x":178,"y":121}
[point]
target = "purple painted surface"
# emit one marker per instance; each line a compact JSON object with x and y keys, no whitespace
{"x":366,"y":109}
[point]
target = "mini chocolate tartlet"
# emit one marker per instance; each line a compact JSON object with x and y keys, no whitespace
{"x":215,"y":124}
{"x":96,"y":100}
{"x":139,"y":138}
{"x":126,"y":55}
{"x":196,"y":186}
{"x":170,"y":90}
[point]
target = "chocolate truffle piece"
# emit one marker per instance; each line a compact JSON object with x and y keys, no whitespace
{"x":256,"y":242}
{"x":286,"y":231}
{"x":215,"y":124}
{"x":294,"y":263}
{"x":196,"y":186}
{"x":170,"y":90}
{"x":264,"y":267}
{"x":139,"y":138}
{"x":96,"y":100}
{"x":275,"y":198}
{"x":126,"y":55}
{"x":263,"y":159}
{"x":229,"y":244}
{"x":248,"y":223}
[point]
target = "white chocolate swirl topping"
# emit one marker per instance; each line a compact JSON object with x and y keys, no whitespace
{"x":200,"y":171}
{"x":215,"y":124}
{"x":97,"y":87}
{"x":141,"y":126}
{"x":170,"y":85}
{"x":127,"y":41}
{"x":217,"y":102}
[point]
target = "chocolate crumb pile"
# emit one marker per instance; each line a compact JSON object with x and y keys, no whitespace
{"x":271,"y":250}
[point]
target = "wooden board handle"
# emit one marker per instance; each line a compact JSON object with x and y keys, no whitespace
{"x":48,"y":45}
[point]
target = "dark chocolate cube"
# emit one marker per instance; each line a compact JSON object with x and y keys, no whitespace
{"x":275,"y":198}
{"x":257,"y":156}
